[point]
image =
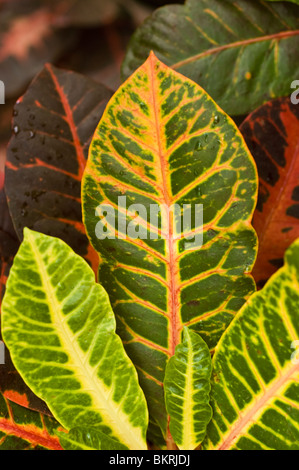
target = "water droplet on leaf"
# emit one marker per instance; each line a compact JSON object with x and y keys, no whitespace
{"x":198,"y":146}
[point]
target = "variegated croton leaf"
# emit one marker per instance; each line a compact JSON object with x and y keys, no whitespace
{"x":255,"y":386}
{"x":162,"y":141}
{"x":272,"y":134}
{"x":242,"y":53}
{"x":53,"y":124}
{"x":60,"y":330}
{"x":187,"y":391}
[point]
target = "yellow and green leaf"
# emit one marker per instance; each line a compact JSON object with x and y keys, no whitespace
{"x":255,"y":385}
{"x":88,"y":438}
{"x":187,"y":391}
{"x":60,"y":330}
{"x":163,"y":141}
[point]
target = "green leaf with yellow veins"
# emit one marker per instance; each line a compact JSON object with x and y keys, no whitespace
{"x":187,"y":391}
{"x":163,"y":142}
{"x":255,"y":386}
{"x":59,"y":327}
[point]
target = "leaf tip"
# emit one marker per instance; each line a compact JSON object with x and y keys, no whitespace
{"x":152,"y":57}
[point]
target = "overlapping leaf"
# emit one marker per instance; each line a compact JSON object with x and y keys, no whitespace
{"x":255,"y":388}
{"x":242,"y":53}
{"x":23,"y":429}
{"x":59,"y":327}
{"x":271,"y":133}
{"x":53,"y":124}
{"x":187,"y":391}
{"x":163,"y":141}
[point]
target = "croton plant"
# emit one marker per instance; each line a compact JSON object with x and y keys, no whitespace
{"x":121,"y":333}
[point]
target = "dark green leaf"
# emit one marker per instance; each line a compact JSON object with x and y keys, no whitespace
{"x":242,"y":53}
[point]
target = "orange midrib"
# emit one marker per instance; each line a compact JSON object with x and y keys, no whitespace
{"x":241,"y":423}
{"x":36,"y":438}
{"x":246,"y":42}
{"x":174,"y":334}
{"x":71,"y":123}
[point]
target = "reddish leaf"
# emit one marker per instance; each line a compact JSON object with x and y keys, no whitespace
{"x":272,"y":134}
{"x":23,"y":429}
{"x":28,"y":39}
{"x":53,"y":125}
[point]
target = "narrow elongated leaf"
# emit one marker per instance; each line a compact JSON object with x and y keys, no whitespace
{"x":163,"y":141}
{"x":88,"y":439}
{"x":242,"y":53}
{"x":59,"y":327}
{"x":23,"y":429}
{"x":53,"y":125}
{"x":187,"y":391}
{"x":255,"y":388}
{"x":271,"y":133}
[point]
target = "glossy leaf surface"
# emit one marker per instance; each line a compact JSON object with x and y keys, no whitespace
{"x":23,"y":429}
{"x":83,"y":438}
{"x":163,"y":141}
{"x":255,"y":387}
{"x":271,"y":133}
{"x":242,"y":53}
{"x":59,"y":327}
{"x":187,"y":391}
{"x":52,"y":128}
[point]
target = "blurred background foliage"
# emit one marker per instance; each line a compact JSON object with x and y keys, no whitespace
{"x":85,"y":36}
